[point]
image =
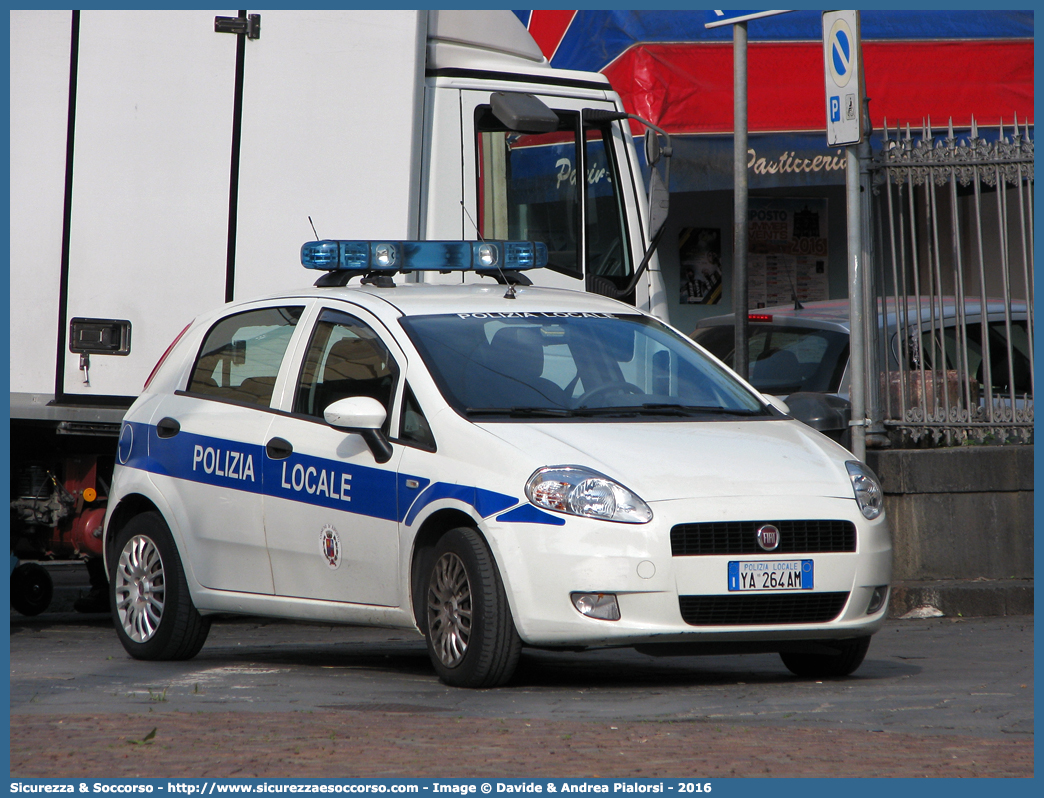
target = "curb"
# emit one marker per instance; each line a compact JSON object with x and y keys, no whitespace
{"x":961,"y":597}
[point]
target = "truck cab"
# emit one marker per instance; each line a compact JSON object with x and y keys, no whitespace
{"x":576,"y":187}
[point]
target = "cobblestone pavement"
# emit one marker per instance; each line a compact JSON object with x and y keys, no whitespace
{"x":327,"y":744}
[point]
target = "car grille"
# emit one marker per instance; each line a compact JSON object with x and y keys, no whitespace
{"x":738,"y":537}
{"x":750,"y":610}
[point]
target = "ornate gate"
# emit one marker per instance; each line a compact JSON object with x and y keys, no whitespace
{"x":954,"y":273}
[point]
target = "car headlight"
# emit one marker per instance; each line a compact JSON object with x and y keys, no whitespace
{"x":580,"y":491}
{"x":867,"y":487}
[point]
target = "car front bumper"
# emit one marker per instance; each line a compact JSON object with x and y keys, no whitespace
{"x":542,"y":565}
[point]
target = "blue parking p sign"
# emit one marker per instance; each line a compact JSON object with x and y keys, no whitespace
{"x":835,"y":109}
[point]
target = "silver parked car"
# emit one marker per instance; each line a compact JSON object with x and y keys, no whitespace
{"x":795,"y":352}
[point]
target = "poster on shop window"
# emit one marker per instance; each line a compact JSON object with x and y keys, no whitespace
{"x":699,"y":252}
{"x":788,"y":251}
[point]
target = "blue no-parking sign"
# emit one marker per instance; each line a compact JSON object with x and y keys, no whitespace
{"x":844,"y":77}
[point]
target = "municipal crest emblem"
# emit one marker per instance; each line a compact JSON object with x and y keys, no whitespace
{"x":330,"y":546}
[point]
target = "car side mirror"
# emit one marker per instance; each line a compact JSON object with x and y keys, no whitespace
{"x":364,"y":416}
{"x":777,"y":403}
{"x":822,"y":411}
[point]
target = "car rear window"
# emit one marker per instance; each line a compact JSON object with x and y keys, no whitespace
{"x":241,"y":355}
{"x":783,"y":359}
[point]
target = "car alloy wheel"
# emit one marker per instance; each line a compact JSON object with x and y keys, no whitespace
{"x":140,"y":588}
{"x":449,"y":609}
{"x":152,"y":609}
{"x":466,"y":620}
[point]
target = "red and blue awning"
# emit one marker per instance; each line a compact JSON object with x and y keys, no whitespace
{"x":672,"y":70}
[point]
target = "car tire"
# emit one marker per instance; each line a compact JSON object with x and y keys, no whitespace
{"x":31,"y":589}
{"x":849,"y":656}
{"x":467,"y":622}
{"x":152,"y":610}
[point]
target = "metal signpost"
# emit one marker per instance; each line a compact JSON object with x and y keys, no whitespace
{"x":738,"y":20}
{"x":845,"y":113}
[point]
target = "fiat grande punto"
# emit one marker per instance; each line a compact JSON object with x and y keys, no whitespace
{"x":492,"y":465}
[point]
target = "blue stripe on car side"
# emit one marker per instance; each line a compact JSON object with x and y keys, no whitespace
{"x":318,"y":481}
{"x":408,"y":494}
{"x":528,"y":514}
{"x":485,"y":502}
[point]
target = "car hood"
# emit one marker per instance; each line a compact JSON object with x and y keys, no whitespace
{"x":680,"y":460}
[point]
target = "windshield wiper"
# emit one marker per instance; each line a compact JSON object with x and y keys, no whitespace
{"x":657,"y":409}
{"x":520,"y":412}
{"x":696,"y":410}
{"x":620,"y":411}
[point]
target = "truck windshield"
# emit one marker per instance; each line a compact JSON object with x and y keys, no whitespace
{"x":567,"y":365}
{"x":528,"y":189}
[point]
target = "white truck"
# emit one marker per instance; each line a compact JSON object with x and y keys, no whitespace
{"x":165,"y":161}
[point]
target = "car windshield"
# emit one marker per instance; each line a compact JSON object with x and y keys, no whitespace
{"x":783,"y":359}
{"x":568,"y":365}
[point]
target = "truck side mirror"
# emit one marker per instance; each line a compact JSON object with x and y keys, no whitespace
{"x":659,"y":194}
{"x":659,"y":203}
{"x":652,"y":148}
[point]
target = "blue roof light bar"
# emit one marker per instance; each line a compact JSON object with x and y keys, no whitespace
{"x":406,"y":256}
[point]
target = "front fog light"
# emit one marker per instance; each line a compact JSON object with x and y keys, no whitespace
{"x":867,"y":488}
{"x":597,"y":605}
{"x":877,"y":600}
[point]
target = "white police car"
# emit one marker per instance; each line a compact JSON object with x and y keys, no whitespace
{"x":491,"y":466}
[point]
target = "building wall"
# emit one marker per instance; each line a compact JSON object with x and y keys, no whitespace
{"x":962,"y":513}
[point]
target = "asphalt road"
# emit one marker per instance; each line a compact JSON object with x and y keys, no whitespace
{"x":939,"y":697}
{"x":935,"y":676}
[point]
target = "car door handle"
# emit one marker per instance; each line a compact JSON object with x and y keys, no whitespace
{"x":168,"y":427}
{"x":278,"y":449}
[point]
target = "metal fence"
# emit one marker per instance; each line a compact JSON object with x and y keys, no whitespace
{"x":953,"y":270}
